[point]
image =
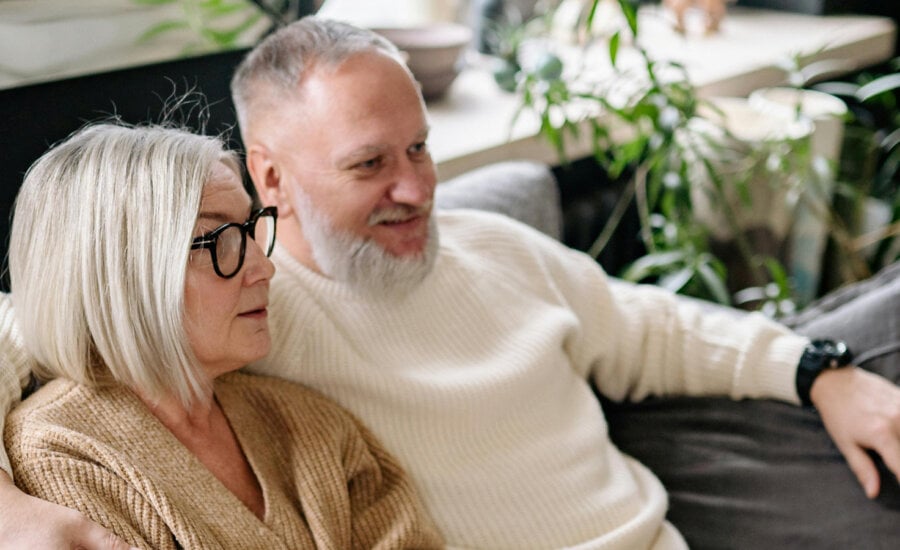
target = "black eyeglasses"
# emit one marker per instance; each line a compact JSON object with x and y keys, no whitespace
{"x":227,"y":243}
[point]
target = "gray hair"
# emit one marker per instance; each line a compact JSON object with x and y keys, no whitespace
{"x":98,"y":252}
{"x":276,"y":67}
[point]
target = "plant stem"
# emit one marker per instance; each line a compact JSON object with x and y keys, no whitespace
{"x":640,"y":198}
{"x":614,"y":219}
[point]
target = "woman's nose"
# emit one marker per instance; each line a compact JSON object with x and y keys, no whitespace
{"x":258,"y":266}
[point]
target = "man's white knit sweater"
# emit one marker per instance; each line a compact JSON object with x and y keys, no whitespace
{"x":15,"y":366}
{"x":479,"y":380}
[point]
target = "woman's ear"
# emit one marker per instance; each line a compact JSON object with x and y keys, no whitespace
{"x":266,"y":176}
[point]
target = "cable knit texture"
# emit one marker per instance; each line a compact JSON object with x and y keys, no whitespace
{"x":15,"y":366}
{"x":328,"y":484}
{"x":479,"y":380}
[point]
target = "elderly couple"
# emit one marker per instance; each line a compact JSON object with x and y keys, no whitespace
{"x":467,"y":343}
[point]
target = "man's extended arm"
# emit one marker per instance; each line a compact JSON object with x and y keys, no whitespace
{"x":29,"y":522}
{"x":15,"y":367}
{"x":25,"y":521}
{"x":860,"y":410}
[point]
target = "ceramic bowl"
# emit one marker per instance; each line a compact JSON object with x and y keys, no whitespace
{"x":434,"y":53}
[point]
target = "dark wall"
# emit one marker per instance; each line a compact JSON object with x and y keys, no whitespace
{"x":34,"y":117}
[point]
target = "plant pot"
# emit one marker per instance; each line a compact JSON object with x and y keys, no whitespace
{"x":749,"y":212}
{"x":809,"y":232}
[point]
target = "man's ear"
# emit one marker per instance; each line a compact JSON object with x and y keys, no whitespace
{"x":266,"y":176}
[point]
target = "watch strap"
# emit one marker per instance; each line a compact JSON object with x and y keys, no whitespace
{"x":818,"y":356}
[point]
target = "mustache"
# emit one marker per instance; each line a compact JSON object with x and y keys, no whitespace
{"x":398,"y":213}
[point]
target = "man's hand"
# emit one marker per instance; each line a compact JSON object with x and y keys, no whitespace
{"x":28,"y":522}
{"x":861,"y":411}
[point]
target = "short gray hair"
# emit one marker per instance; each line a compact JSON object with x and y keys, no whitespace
{"x":98,"y":252}
{"x":277,"y":65}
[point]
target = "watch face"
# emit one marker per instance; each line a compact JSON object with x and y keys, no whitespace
{"x":833,"y":353}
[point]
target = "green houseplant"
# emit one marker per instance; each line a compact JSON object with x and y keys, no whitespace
{"x":870,"y":168}
{"x":649,"y":135}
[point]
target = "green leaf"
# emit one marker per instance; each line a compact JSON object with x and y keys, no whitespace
{"x":675,"y":282}
{"x":222,"y":10}
{"x":749,"y":295}
{"x":878,"y":86}
{"x":891,"y":140}
{"x":614,"y":48}
{"x":778,"y":273}
{"x":630,"y":15}
{"x":840,"y":89}
{"x":589,"y":22}
{"x":161,"y":28}
{"x":714,"y":283}
{"x":826,"y":68}
{"x":646,"y":266}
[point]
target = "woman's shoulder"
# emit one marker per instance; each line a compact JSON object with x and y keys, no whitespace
{"x":281,"y":396}
{"x":54,"y":402}
{"x":66,"y":420}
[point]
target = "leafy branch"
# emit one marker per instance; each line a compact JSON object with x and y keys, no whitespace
{"x":225,"y":24}
{"x":645,"y":126}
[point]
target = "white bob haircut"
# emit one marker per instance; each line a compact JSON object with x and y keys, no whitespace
{"x":274,"y":70}
{"x":98,"y":252}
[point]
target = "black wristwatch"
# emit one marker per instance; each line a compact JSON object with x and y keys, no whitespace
{"x":818,"y":356}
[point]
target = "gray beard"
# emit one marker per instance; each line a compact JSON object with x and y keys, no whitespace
{"x":363,"y":264}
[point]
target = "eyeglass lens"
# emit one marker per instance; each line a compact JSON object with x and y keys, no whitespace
{"x":228,"y":249}
{"x":230,"y":245}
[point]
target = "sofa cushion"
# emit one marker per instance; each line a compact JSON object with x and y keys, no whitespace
{"x":866,"y":315}
{"x":523,"y":190}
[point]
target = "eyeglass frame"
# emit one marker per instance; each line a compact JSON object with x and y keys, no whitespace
{"x":209,"y":240}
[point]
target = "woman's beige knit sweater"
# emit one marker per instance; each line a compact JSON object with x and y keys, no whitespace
{"x":325,"y":480}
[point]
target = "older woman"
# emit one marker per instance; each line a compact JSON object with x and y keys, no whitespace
{"x":140,"y":278}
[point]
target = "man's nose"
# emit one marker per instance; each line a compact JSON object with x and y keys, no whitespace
{"x":414,"y":184}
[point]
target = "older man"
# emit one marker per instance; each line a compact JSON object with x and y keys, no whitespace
{"x":469,"y":343}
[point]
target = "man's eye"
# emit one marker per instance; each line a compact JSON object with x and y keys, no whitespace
{"x":419,"y":148}
{"x":369,"y":164}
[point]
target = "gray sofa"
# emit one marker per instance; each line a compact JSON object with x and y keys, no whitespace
{"x":748,"y":474}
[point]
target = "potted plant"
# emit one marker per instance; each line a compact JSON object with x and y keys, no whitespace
{"x":868,"y":193}
{"x":649,"y":134}
{"x":226,"y":24}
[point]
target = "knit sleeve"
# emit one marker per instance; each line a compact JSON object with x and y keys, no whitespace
{"x":638,"y":340}
{"x":686,"y":348}
{"x":386,"y":512}
{"x":15,"y":367}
